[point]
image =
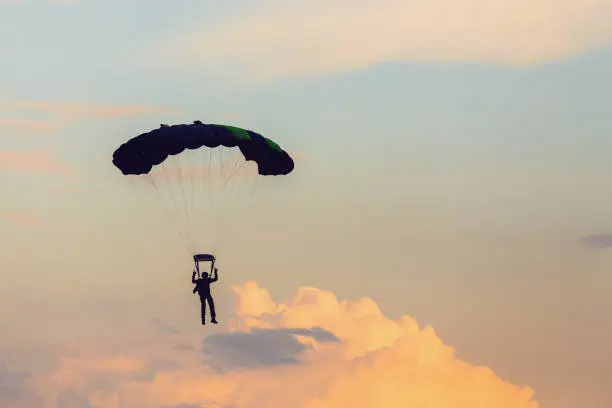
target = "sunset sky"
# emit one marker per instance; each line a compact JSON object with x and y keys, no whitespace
{"x":445,"y":240}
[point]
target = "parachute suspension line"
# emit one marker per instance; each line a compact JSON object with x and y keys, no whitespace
{"x":196,"y":231}
{"x":237,"y":167}
{"x":258,"y":198}
{"x":222,"y":192}
{"x":179,"y":170}
{"x":209,"y":170}
{"x":206,"y":179}
{"x":229,"y":180}
{"x":168,"y":182}
{"x":161,"y":142}
{"x":199,"y":204}
{"x":226,"y":167}
{"x":221,"y":160}
{"x":216,"y":197}
{"x":217,"y":215}
{"x":149,"y":179}
{"x":223,"y":205}
{"x":213,"y":197}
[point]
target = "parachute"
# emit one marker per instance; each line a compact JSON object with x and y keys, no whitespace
{"x":201,"y":173}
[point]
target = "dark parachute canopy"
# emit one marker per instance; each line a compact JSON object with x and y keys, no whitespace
{"x":203,"y":174}
{"x":140,"y":154}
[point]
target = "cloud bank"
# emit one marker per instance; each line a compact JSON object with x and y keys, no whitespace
{"x":277,"y":37}
{"x":314,"y":351}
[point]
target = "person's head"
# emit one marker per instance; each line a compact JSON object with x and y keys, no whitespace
{"x":204,"y":275}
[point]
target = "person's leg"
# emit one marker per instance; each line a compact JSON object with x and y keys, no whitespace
{"x":211,"y":304}
{"x":203,"y":309}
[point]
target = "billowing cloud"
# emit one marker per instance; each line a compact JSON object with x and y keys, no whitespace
{"x":311,"y":36}
{"x":350,"y":355}
{"x":32,"y":161}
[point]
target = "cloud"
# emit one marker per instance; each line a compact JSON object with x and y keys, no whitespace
{"x":15,"y":391}
{"x":15,"y":115}
{"x":376,"y":362}
{"x":27,"y":126}
{"x":601,"y":241}
{"x":259,"y":348}
{"x":11,"y":383}
{"x":22,"y":218}
{"x":277,"y":37}
{"x":72,"y":399}
{"x":88,"y":111}
{"x":33,"y":161}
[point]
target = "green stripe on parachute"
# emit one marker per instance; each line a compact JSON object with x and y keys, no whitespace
{"x":237,"y":132}
{"x":272,"y":145}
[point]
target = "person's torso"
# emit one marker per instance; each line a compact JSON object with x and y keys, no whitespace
{"x":203,"y":286}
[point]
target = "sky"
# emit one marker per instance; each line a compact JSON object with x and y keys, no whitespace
{"x":445,"y":239}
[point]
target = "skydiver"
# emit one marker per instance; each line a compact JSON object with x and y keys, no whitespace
{"x":203,"y":289}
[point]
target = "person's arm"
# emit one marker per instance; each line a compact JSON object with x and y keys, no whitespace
{"x":194,"y":280}
{"x":211,"y":280}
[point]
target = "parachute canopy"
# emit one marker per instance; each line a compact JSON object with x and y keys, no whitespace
{"x":205,"y":176}
{"x":140,"y":154}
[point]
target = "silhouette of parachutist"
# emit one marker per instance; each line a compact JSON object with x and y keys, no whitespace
{"x":202,"y":286}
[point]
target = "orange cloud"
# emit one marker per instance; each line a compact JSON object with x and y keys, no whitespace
{"x":39,"y":162}
{"x":27,"y":126}
{"x":302,"y":37}
{"x":89,"y":111}
{"x":62,"y":114}
{"x":314,"y":351}
{"x":21,"y":217}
